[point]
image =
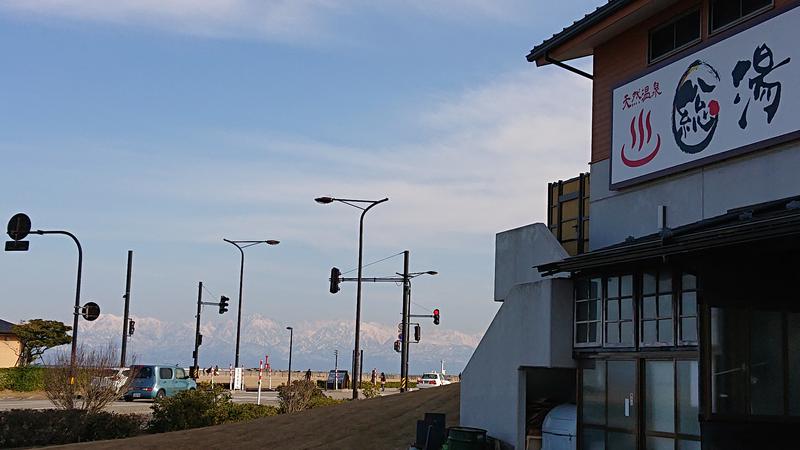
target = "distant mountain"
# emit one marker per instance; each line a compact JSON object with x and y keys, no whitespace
{"x":156,"y":340}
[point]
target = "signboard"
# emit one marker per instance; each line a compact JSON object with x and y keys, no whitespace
{"x":736,"y":95}
{"x":90,"y":311}
{"x":237,"y":379}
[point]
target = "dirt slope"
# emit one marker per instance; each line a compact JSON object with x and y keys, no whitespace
{"x":380,"y":423}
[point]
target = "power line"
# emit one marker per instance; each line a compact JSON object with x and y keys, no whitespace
{"x":373,"y":263}
{"x":213,"y":295}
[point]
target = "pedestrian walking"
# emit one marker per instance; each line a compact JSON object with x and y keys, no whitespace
{"x":374,"y":375}
{"x":308,"y":375}
{"x":383,"y":381}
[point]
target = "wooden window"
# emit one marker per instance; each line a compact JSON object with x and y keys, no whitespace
{"x":725,"y":13}
{"x":675,"y":36}
{"x":656,"y":311}
{"x":687,"y":312}
{"x":587,"y":312}
{"x":619,"y":312}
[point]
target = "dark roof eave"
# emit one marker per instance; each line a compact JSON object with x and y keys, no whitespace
{"x":571,"y":31}
{"x":656,"y":246}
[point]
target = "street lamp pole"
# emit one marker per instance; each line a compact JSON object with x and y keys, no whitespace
{"x":291,"y":335}
{"x":241,"y":245}
{"x":77,"y":309}
{"x":355,"y":204}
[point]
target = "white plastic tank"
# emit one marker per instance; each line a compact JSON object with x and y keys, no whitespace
{"x":559,"y":428}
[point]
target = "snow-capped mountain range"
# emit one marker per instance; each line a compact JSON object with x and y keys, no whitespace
{"x":314,"y":342}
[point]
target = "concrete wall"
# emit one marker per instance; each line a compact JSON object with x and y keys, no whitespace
{"x":533,"y":328}
{"x":691,"y":196}
{"x":10,"y":348}
{"x":517,"y":251}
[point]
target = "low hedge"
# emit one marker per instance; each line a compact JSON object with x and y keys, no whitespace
{"x":30,"y":427}
{"x":202,"y":408}
{"x":24,"y":379}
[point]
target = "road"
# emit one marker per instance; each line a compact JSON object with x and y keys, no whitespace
{"x":143,"y":406}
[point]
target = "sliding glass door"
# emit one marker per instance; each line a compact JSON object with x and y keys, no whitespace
{"x":649,"y":403}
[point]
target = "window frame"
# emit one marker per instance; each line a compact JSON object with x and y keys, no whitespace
{"x":713,"y":31}
{"x":619,"y":297}
{"x":651,"y":59}
{"x":656,"y":295}
{"x":680,"y":313}
{"x":598,"y":321}
{"x":162,"y":369}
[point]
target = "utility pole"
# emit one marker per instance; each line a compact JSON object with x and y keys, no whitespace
{"x":197,"y":337}
{"x":127,"y":309}
{"x":405,"y":326}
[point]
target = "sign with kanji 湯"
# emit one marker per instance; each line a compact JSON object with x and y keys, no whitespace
{"x":736,"y":94}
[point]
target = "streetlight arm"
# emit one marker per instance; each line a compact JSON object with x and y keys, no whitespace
{"x":75,"y":312}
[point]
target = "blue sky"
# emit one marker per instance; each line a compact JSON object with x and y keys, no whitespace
{"x":164,"y":126}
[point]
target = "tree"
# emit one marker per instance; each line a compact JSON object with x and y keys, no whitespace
{"x":38,"y":335}
{"x":91,"y":385}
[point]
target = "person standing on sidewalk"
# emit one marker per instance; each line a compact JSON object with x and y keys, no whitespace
{"x":383,"y":381}
{"x":374,"y":375}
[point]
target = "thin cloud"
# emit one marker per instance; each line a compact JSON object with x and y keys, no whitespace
{"x":482,"y":165}
{"x":280,"y":20}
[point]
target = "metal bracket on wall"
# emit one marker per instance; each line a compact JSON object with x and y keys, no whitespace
{"x":568,"y":67}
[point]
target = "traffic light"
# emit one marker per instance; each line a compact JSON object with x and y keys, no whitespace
{"x":335,"y":275}
{"x":436,"y":316}
{"x":199,"y":339}
{"x":397,"y":346}
{"x":223,"y":304}
{"x":417,"y":332}
{"x":131,"y":327}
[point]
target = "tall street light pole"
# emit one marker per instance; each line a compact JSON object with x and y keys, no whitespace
{"x":356,"y":204}
{"x":291,"y":335}
{"x":77,"y":309}
{"x":241,"y":245}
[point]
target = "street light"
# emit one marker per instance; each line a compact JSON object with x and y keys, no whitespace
{"x":404,"y":349}
{"x":18,"y":228}
{"x":241,"y":245}
{"x":356,"y":204}
{"x":291,"y":334}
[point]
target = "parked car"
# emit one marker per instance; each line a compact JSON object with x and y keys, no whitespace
{"x":431,"y":379}
{"x":116,"y":377}
{"x":342,"y":379}
{"x":158,"y":381}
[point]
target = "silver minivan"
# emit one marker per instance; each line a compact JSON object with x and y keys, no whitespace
{"x":158,"y":381}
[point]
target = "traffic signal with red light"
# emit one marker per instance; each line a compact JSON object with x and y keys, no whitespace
{"x":436,"y":317}
{"x":335,"y":279}
{"x":223,"y":304}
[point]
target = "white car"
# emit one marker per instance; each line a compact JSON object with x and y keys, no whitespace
{"x":431,"y":379}
{"x":117,"y":378}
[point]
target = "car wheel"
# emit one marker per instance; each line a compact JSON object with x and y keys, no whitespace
{"x":161,"y":394}
{"x":128,"y":399}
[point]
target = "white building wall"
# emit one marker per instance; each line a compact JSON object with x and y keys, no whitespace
{"x":691,"y":196}
{"x":533,"y":328}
